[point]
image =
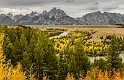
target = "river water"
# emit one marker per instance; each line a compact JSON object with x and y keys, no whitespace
{"x":62,"y":34}
{"x":98,"y":57}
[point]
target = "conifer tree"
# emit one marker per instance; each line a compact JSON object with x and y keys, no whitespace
{"x":114,"y":62}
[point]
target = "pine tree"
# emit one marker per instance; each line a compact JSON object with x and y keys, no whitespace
{"x":114,"y":62}
{"x":81,"y":59}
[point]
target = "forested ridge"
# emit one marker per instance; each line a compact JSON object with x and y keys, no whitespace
{"x":27,"y":53}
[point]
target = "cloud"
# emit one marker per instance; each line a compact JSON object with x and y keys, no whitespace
{"x":69,"y":1}
{"x":13,"y":3}
{"x":1,"y":11}
{"x":110,"y":8}
{"x":73,"y":8}
{"x":95,"y":3}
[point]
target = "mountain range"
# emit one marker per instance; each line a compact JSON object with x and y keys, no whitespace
{"x":59,"y":17}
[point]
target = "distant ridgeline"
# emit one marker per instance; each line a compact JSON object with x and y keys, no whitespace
{"x":122,"y":25}
{"x":59,"y":17}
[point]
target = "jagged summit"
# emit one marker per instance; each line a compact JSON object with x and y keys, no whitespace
{"x":33,"y":13}
{"x":57,"y":13}
{"x":9,"y":14}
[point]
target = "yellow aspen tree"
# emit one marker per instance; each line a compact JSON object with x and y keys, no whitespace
{"x":70,"y":77}
{"x":5,"y":69}
{"x":32,"y":78}
{"x":18,"y":74}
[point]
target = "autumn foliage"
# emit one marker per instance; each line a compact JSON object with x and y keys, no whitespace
{"x":97,"y":76}
{"x":27,"y":53}
{"x":7,"y":72}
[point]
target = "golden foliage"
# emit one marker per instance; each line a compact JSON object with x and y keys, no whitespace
{"x":18,"y":73}
{"x":92,"y":75}
{"x":70,"y":77}
{"x":45,"y":78}
{"x":32,"y":78}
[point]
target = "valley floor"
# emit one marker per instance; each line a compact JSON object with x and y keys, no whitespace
{"x":102,"y":30}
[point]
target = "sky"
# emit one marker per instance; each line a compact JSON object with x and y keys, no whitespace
{"x":73,"y":8}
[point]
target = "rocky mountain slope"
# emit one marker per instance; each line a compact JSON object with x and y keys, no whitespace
{"x":59,"y":17}
{"x":101,"y":18}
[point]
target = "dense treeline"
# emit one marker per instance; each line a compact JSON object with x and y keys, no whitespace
{"x":36,"y":53}
{"x":39,"y":57}
{"x":31,"y":48}
{"x":7,"y":71}
{"x":121,"y":25}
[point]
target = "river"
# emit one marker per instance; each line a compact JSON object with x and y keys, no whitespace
{"x":98,"y":57}
{"x":62,"y":34}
